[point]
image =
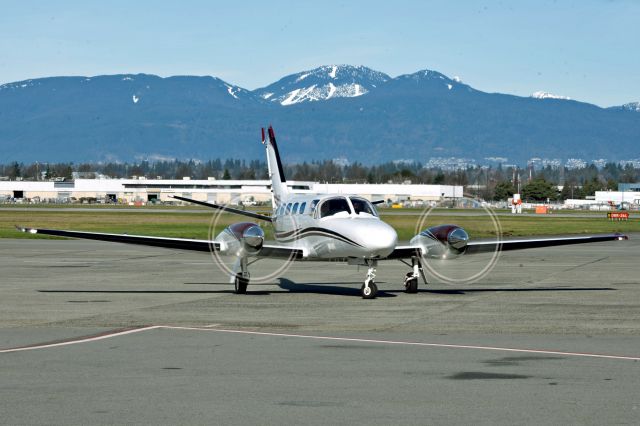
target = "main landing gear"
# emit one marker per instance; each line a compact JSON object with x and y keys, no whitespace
{"x":241,"y":284}
{"x":369,"y":289}
{"x":241,"y":278}
{"x":411,"y":279}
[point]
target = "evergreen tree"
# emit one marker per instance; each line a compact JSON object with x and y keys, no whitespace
{"x":539,"y":190}
{"x":15,"y":171}
{"x":503,"y":190}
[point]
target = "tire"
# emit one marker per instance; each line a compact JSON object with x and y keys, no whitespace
{"x":241,"y":284}
{"x":411,"y":285}
{"x":373,"y":291}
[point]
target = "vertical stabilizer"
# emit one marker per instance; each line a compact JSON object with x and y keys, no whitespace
{"x":276,"y":171}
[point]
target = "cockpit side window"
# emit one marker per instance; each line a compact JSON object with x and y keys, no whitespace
{"x":302,"y":206}
{"x":295,"y":209}
{"x":334,"y":205}
{"x":314,"y":203}
{"x":360,"y":205}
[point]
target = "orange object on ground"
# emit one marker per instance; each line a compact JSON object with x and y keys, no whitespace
{"x":542,"y":210}
{"x":618,"y":215}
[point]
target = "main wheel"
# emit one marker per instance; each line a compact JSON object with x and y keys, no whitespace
{"x":369,"y":292}
{"x":411,"y":285}
{"x":241,"y":284}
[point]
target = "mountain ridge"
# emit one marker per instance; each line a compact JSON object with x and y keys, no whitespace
{"x":419,"y":115}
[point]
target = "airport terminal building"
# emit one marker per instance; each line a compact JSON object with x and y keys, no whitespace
{"x":143,"y":190}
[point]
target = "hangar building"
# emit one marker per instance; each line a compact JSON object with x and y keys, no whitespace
{"x":143,"y":190}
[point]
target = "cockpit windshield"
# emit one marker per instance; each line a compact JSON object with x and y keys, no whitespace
{"x":334,"y":206}
{"x":360,"y":205}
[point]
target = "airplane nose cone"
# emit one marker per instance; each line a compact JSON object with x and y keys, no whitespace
{"x":379,"y":239}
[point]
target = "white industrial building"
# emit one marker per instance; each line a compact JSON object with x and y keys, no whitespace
{"x":606,"y":200}
{"x":617,"y":197}
{"x":217,"y":191}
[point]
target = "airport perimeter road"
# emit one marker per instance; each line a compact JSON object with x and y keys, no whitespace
{"x":126,"y":334}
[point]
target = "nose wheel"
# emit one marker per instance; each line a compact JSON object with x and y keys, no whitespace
{"x":369,"y":289}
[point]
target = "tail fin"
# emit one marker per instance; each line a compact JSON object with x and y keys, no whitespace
{"x":276,"y":172}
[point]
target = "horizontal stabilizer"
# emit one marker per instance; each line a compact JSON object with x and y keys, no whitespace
{"x":224,"y":208}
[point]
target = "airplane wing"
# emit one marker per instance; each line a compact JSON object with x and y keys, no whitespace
{"x":527,"y":243}
{"x":404,"y":252}
{"x":174,"y":243}
{"x":488,"y":246}
{"x":270,"y":251}
{"x":280,"y":252}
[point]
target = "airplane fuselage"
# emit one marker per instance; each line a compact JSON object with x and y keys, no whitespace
{"x":331,"y":226}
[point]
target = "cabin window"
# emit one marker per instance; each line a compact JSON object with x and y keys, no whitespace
{"x":302,"y":206}
{"x":288,"y":208}
{"x":295,"y":209}
{"x":334,"y":206}
{"x":360,"y":205}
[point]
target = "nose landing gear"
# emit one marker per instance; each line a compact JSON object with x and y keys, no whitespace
{"x":369,"y":289}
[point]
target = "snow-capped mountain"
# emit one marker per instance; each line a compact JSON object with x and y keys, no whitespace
{"x":135,"y":88}
{"x":632,"y":106}
{"x":420,"y":115}
{"x":429,"y":79}
{"x":322,"y":83}
{"x":20,"y":84}
{"x":547,"y":95}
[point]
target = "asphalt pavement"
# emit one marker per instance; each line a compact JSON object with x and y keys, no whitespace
{"x":102,"y":333}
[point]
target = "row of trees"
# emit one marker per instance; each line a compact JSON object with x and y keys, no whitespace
{"x":490,"y":183}
{"x":37,"y":171}
{"x":539,"y":189}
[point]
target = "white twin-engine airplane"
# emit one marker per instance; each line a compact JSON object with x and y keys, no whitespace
{"x":327,"y":228}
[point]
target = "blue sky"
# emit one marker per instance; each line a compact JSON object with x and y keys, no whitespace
{"x":587,"y":50}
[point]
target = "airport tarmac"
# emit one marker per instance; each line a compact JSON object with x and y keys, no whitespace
{"x":103,"y":333}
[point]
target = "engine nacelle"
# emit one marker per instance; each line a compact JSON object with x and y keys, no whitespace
{"x":241,"y":238}
{"x":442,"y":241}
